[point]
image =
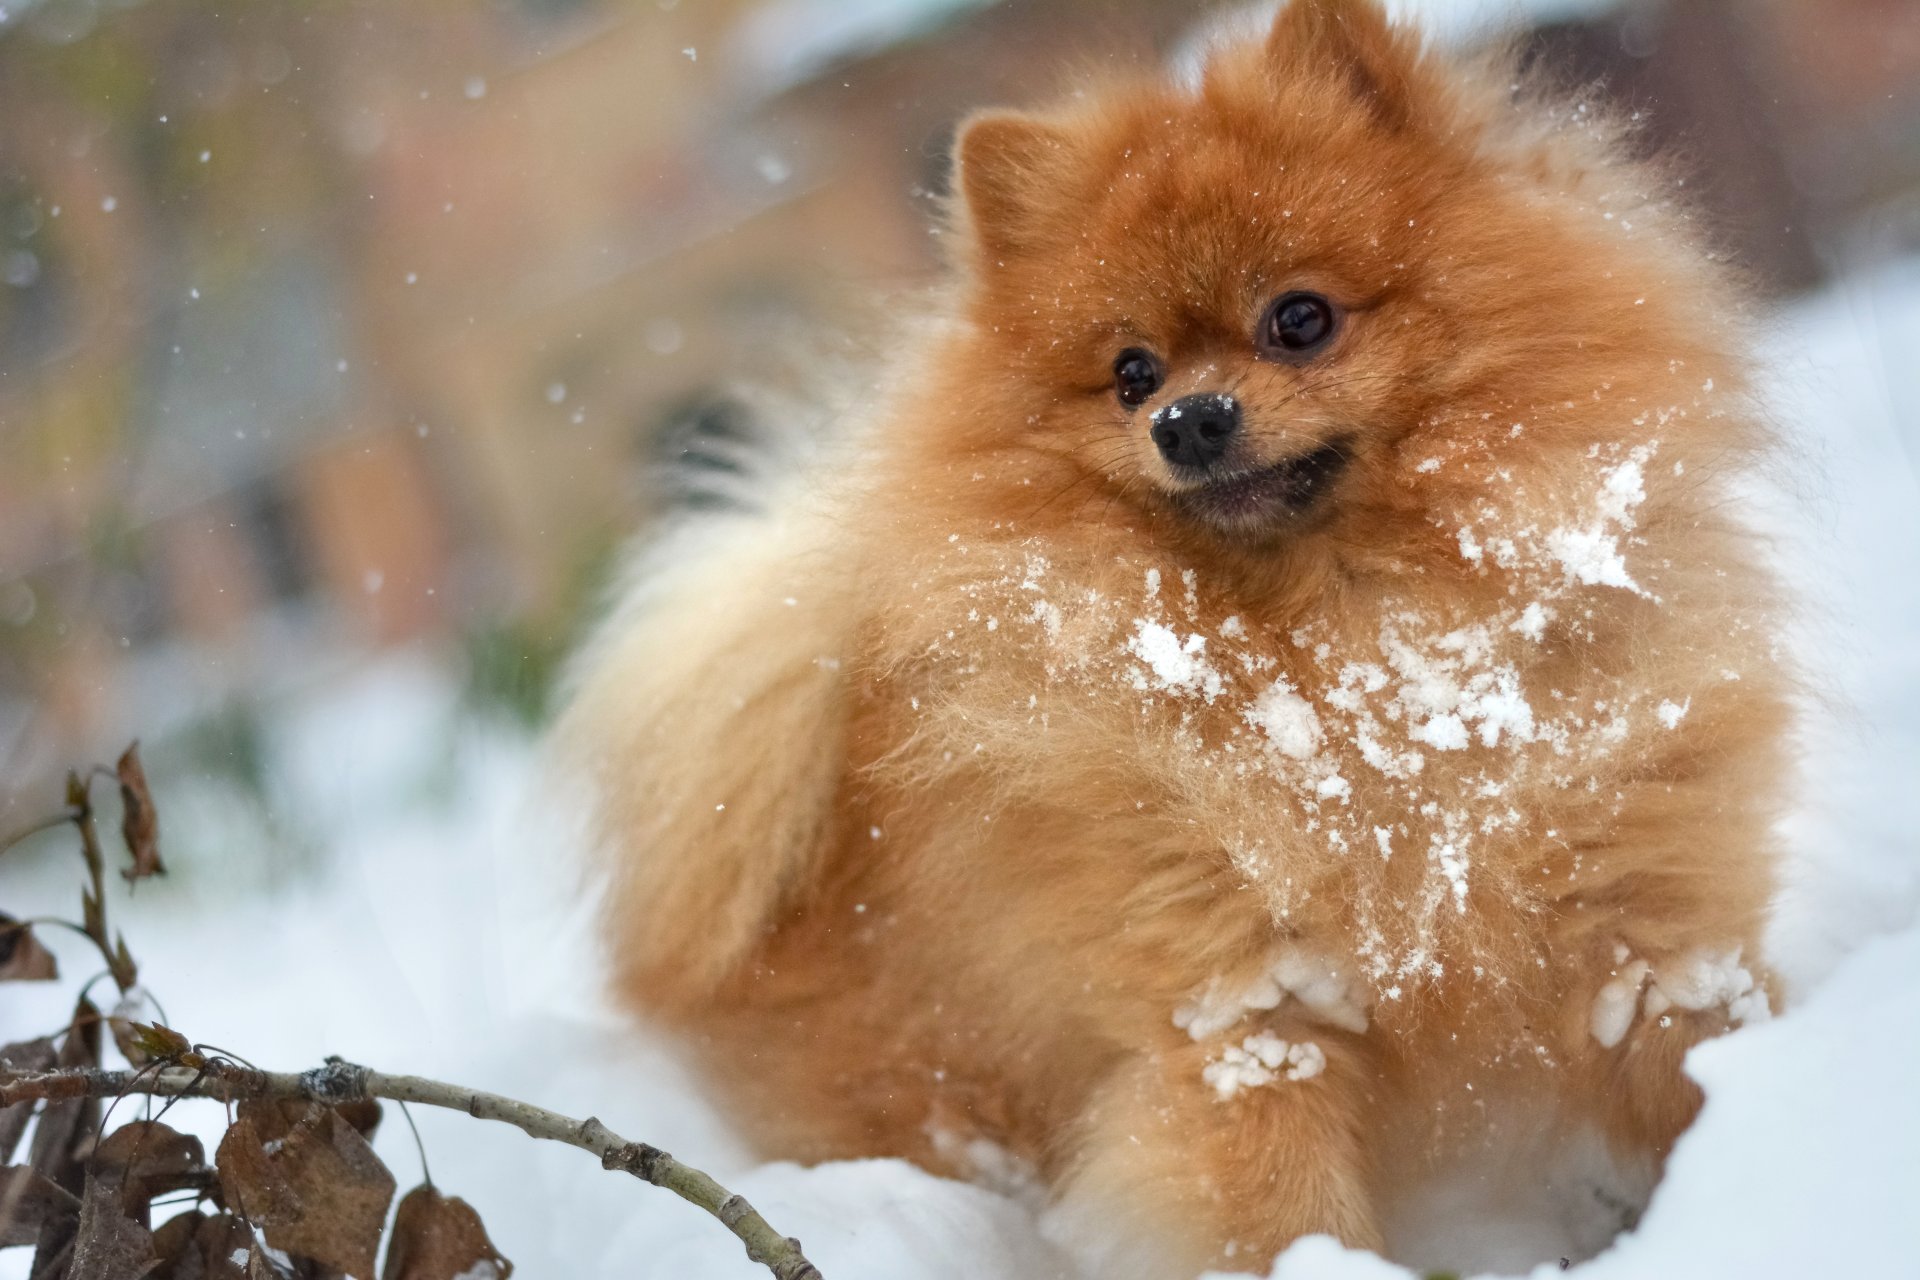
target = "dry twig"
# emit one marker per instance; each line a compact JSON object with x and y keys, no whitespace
{"x":340,"y":1082}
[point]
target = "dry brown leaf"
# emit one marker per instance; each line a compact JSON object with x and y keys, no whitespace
{"x":179,"y":1252}
{"x":198,"y":1246}
{"x":139,"y":821}
{"x":53,"y":1267}
{"x":27,"y":1055}
{"x":28,"y":1200}
{"x":274,"y":1118}
{"x":174,"y":1237}
{"x":438,"y":1237}
{"x":321,"y":1193}
{"x":249,"y":1182}
{"x":22,"y":958}
{"x":362,"y":1113}
{"x":148,"y":1159}
{"x":61,"y":1138}
{"x":66,"y":1128}
{"x":260,"y":1266}
{"x":110,"y":1245}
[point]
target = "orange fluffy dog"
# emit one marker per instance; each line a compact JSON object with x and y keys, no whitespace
{"x":1277,"y":682}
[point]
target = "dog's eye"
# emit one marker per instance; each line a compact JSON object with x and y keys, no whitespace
{"x":1297,"y":323}
{"x":1136,"y":376}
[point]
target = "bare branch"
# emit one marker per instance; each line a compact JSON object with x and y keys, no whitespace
{"x":339,"y":1081}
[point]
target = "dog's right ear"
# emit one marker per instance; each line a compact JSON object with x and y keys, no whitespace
{"x":1009,"y":167}
{"x":1378,"y":62}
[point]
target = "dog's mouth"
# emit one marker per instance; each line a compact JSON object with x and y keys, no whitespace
{"x":1254,"y":499}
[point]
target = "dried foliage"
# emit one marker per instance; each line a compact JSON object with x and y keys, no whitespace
{"x":438,"y":1237}
{"x":294,"y":1190}
{"x":139,"y":823}
{"x":22,"y":958}
{"x":309,"y":1180}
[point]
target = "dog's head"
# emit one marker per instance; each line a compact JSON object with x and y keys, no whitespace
{"x":1256,"y":307}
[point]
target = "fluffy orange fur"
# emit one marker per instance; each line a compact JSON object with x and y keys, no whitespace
{"x":1229,"y":868}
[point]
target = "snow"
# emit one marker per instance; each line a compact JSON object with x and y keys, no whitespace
{"x":1446,"y":732}
{"x":1173,"y":664}
{"x":1616,"y":1003}
{"x":1222,"y":1004}
{"x":1708,"y":980}
{"x":1289,"y":722}
{"x":1259,"y":1060}
{"x":1591,"y":557}
{"x":430,"y":929}
{"x":1451,"y":681}
{"x":1327,"y":990}
{"x":1623,"y":488}
{"x":1702,"y":979}
{"x":866,"y":1218}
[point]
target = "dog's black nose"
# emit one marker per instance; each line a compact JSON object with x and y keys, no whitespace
{"x":1194,"y":431}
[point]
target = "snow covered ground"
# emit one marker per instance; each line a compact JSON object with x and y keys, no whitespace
{"x":434,"y":935}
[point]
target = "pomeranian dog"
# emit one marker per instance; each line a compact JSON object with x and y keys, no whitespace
{"x":1275,"y":685}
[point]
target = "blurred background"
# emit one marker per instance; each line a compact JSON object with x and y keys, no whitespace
{"x":335,"y":335}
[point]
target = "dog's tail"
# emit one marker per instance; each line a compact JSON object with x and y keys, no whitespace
{"x":707,"y":715}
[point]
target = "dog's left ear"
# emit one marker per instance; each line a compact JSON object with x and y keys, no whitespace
{"x":1009,"y":166}
{"x":1378,"y":62}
